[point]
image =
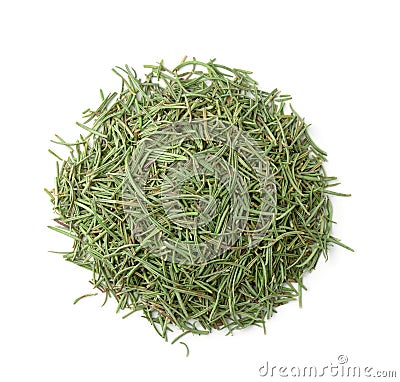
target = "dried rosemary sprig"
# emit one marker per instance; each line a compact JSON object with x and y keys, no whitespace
{"x":245,"y":283}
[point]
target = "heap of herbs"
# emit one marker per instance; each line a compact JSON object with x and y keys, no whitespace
{"x":244,"y":285}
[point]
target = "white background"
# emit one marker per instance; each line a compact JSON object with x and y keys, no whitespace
{"x":340,"y":62}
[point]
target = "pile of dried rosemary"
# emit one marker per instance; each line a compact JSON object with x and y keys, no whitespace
{"x":243,"y":283}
